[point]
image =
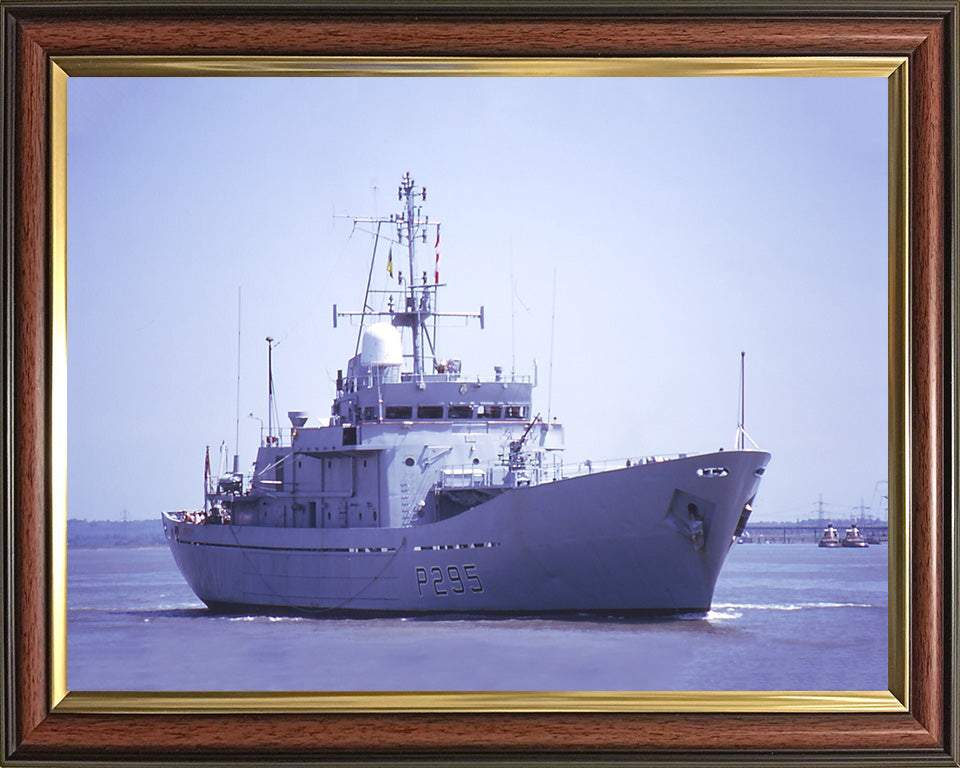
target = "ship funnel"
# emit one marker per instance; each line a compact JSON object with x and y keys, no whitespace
{"x":297,"y":418}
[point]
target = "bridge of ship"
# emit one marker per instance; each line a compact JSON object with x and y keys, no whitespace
{"x":434,"y":397}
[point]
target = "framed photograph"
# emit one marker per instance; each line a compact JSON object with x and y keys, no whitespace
{"x":643,"y":199}
{"x":554,"y":605}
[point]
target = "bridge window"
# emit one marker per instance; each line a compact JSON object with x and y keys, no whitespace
{"x":398,"y":412}
{"x":460,"y":411}
{"x":430,"y":412}
{"x":369,"y":412}
{"x":517,"y":411}
{"x":489,"y":411}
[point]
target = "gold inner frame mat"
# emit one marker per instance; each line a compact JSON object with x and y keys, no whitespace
{"x":892,"y":700}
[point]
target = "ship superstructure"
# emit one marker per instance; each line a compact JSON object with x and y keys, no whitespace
{"x":432,"y":491}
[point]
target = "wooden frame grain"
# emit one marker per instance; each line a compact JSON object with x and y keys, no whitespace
{"x":925,"y":32}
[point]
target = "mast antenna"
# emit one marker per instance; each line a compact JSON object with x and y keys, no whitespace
{"x":513,"y":318}
{"x":740,"y":424}
{"x":553,"y":322}
{"x":366,"y":293}
{"x":236,"y":444}
{"x":742,"y":435}
{"x":271,"y":402}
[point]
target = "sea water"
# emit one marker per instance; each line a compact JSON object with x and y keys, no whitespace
{"x":784,"y":617}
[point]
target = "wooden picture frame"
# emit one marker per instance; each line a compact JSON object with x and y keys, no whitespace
{"x":35,"y":35}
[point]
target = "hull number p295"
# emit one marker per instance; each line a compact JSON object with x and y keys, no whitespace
{"x":443,"y":581}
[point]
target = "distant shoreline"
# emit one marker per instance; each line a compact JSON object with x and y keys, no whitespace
{"x":113,"y":546}
{"x":102,"y":534}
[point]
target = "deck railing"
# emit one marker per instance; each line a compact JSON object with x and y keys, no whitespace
{"x":478,"y":475}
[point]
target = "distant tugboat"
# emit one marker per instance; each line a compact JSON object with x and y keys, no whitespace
{"x":431,"y":491}
{"x":830,"y":538}
{"x":852,"y":538}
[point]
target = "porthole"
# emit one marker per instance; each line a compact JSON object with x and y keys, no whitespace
{"x":476,"y":460}
{"x":409,"y":461}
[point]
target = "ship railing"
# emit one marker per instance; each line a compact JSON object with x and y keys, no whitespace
{"x":200,"y":516}
{"x":281,"y":436}
{"x":478,"y":475}
{"x":429,"y":378}
{"x":470,"y":476}
{"x":590,"y":466}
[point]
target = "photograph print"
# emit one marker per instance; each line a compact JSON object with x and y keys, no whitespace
{"x":477,"y":384}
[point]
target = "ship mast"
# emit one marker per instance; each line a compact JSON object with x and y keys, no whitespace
{"x":271,"y":401}
{"x":740,"y":426}
{"x":742,"y":436}
{"x":417,"y":293}
{"x":236,"y":444}
{"x":418,"y":301}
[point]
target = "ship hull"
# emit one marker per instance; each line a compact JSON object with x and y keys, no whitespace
{"x":647,"y":539}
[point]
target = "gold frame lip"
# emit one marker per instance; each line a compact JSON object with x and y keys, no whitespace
{"x":57,"y":611}
{"x":384,"y":702}
{"x":436,"y":66}
{"x":894,"y":68}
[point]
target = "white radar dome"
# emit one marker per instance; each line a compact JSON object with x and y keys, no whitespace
{"x":381,"y":345}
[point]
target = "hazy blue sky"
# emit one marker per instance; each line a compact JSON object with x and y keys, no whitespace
{"x":686,"y":219}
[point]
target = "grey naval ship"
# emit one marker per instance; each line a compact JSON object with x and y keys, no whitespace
{"x":430,"y":491}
